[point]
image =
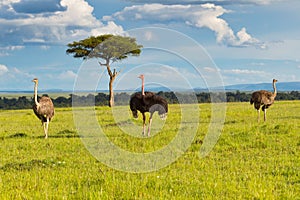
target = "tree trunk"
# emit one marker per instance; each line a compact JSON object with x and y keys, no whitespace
{"x":112,"y":77}
{"x":111,"y":91}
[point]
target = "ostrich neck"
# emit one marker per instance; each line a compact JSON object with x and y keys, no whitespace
{"x":35,"y":94}
{"x":143,"y":87}
{"x":275,"y":90}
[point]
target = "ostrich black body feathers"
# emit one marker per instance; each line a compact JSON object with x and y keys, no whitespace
{"x":148,"y":103}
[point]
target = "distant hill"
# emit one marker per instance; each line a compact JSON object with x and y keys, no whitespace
{"x":281,"y":87}
{"x":285,"y":86}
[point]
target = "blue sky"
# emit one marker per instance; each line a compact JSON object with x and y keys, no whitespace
{"x":246,"y":41}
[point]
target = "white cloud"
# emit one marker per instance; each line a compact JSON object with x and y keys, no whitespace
{"x":111,"y":27}
{"x":15,"y":72}
{"x":200,"y":16}
{"x":8,"y":2}
{"x":244,"y":71}
{"x":3,"y":69}
{"x":15,"y":79}
{"x":156,"y":75}
{"x":242,"y":76}
{"x":12,"y":48}
{"x":67,"y":75}
{"x":4,"y":51}
{"x":11,"y":77}
{"x":75,"y":22}
{"x":211,"y":69}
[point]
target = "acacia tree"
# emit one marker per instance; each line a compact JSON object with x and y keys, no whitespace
{"x":109,"y":48}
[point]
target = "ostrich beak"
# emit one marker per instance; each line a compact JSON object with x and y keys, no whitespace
{"x":141,"y":76}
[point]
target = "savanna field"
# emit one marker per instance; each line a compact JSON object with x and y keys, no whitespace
{"x":251,"y":160}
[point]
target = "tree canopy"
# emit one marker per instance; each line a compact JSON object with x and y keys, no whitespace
{"x":109,"y":48}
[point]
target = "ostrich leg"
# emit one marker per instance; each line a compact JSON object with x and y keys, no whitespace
{"x":144,"y":124}
{"x":265,"y":114}
{"x":150,"y":122}
{"x":258,"y":115}
{"x":46,"y":125}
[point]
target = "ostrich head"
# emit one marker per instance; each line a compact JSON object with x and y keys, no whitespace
{"x":135,"y":114}
{"x":35,"y":80}
{"x":141,"y":76}
{"x":133,"y":107}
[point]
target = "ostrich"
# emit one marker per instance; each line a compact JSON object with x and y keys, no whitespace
{"x":43,"y":108}
{"x":148,"y":102}
{"x":265,"y":98}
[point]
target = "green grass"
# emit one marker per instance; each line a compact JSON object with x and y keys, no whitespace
{"x":250,"y":160}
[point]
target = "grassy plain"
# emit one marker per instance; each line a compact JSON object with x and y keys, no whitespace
{"x":250,"y":160}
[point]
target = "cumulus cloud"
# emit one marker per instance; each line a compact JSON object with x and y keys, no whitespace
{"x":7,"y":3}
{"x":62,"y":22}
{"x":200,"y":16}
{"x":67,"y":75}
{"x":3,"y":69}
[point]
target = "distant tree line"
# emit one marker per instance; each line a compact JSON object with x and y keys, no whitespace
{"x":102,"y":99}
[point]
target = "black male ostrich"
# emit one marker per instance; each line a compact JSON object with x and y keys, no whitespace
{"x":265,"y":98}
{"x":148,"y":102}
{"x":43,"y":109}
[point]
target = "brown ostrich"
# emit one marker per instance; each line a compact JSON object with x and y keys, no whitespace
{"x":43,"y":109}
{"x":265,"y":98}
{"x":148,"y":102}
